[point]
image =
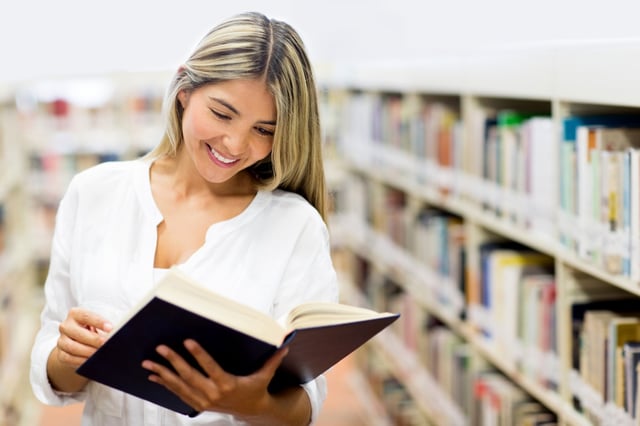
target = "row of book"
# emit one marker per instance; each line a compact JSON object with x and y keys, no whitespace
{"x":514,"y":285}
{"x":605,"y":352}
{"x":599,"y":191}
{"x":578,"y":186}
{"x":49,"y":131}
{"x":451,"y":368}
{"x":507,"y":292}
{"x":18,"y":321}
{"x":391,"y":394}
{"x":89,"y":116}
{"x":428,"y":241}
{"x":49,"y":172}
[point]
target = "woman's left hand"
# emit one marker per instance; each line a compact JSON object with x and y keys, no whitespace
{"x":242,"y":396}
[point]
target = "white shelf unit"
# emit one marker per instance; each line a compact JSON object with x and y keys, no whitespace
{"x":49,"y":130}
{"x":69,"y":124}
{"x":18,"y":293}
{"x":559,"y":81}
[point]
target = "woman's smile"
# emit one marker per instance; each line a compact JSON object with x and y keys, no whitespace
{"x":219,"y":158}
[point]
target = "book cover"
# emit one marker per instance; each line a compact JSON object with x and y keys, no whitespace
{"x":507,"y":268}
{"x":631,"y":360}
{"x":634,"y":214}
{"x":580,"y":304}
{"x":239,"y":348}
{"x":622,"y":329}
{"x":542,"y":186}
{"x":615,"y":140}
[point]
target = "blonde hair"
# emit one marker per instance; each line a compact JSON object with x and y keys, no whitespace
{"x":250,"y":46}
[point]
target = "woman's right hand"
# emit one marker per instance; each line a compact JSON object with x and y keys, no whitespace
{"x":81,"y":334}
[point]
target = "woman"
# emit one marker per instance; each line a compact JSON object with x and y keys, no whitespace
{"x":234,"y":195}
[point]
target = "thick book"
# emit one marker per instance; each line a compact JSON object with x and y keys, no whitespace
{"x":237,"y":336}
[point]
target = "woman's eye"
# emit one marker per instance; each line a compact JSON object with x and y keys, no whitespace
{"x":220,"y":115}
{"x":264,"y":131}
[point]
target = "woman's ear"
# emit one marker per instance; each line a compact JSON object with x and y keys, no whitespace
{"x":183,"y":95}
{"x":183,"y":98}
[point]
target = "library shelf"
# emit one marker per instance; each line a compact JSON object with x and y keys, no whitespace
{"x":49,"y":130}
{"x":465,"y":185}
{"x":18,"y":301}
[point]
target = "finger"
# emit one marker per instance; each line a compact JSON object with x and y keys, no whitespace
{"x":71,"y":352}
{"x":81,"y":335}
{"x":206,"y":361}
{"x":182,"y":367}
{"x":75,"y":348}
{"x":67,"y":358}
{"x":269,"y":368}
{"x":90,"y":320}
{"x":174,"y":382}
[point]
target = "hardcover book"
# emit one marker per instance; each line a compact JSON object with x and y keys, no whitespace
{"x":238,"y":337}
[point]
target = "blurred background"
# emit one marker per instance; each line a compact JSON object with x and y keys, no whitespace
{"x":82,"y":82}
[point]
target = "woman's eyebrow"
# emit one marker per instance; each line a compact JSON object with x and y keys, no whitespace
{"x":236,"y":112}
{"x":226,"y":104}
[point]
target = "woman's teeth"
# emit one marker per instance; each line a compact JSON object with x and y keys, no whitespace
{"x":221,"y":158}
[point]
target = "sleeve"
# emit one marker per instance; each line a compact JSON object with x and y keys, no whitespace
{"x":310,"y":276}
{"x":58,"y":300}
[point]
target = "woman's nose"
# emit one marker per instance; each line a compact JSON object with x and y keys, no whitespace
{"x":236,"y":142}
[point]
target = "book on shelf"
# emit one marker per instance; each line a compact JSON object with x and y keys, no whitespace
{"x":622,"y":330}
{"x":586,"y":293}
{"x":536,"y":324}
{"x":603,"y":335}
{"x":631,"y":355}
{"x":634,"y":214}
{"x":510,"y":162}
{"x":502,"y":265}
{"x":541,"y":183}
{"x":506,"y":269}
{"x":238,"y":337}
{"x":592,"y":188}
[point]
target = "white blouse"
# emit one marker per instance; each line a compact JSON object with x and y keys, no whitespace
{"x":272,"y":256}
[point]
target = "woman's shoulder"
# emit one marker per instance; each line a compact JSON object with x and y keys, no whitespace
{"x":107,"y":174}
{"x":292,"y":203}
{"x":290,"y":210}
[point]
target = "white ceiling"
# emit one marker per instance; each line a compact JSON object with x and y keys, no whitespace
{"x":40,"y":38}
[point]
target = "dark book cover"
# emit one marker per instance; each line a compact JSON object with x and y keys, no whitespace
{"x":312,"y":351}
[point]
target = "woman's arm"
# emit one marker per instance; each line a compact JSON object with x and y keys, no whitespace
{"x":67,"y":335}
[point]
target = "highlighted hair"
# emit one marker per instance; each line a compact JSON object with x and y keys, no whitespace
{"x":252,"y":46}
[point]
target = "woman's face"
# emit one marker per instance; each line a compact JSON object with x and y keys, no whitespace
{"x":227,"y":127}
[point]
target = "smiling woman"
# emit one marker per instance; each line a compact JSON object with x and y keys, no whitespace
{"x":234,"y":196}
{"x":232,"y":123}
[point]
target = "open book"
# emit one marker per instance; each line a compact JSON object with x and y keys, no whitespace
{"x":238,"y":337}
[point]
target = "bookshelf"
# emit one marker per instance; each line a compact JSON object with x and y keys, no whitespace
{"x":70,"y":124}
{"x":50,"y":130}
{"x":18,"y":294}
{"x":399,"y":208}
{"x":465,"y":189}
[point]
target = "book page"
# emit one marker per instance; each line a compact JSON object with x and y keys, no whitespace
{"x":325,"y":313}
{"x":179,"y":289}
